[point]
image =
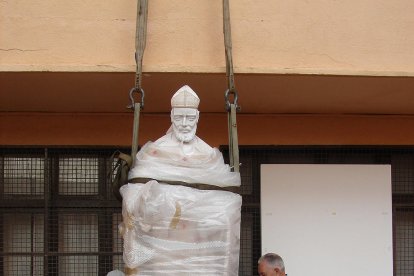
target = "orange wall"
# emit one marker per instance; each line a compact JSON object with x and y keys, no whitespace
{"x":116,"y":129}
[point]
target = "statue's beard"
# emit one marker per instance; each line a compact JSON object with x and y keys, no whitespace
{"x":184,"y":137}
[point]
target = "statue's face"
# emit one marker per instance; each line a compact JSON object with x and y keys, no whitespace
{"x":184,"y":122}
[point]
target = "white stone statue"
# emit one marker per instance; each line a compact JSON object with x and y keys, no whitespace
{"x":180,"y":155}
{"x":171,"y":229}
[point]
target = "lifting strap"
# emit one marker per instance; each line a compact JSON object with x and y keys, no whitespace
{"x":140,"y":42}
{"x":118,"y":175}
{"x":124,"y":161}
{"x":231,"y":108}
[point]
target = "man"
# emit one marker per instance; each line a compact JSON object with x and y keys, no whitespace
{"x":115,"y":273}
{"x":271,"y":264}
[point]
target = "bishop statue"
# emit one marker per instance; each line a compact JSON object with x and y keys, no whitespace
{"x":179,"y":217}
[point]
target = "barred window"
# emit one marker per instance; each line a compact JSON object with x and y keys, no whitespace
{"x":78,"y":233}
{"x":23,"y":176}
{"x":404,"y":233}
{"x":23,"y":236}
{"x":78,"y":176}
{"x":58,"y":214}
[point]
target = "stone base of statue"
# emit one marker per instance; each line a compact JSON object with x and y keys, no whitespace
{"x":177,"y":230}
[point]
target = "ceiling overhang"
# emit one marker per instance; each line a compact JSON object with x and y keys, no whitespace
{"x":64,"y":92}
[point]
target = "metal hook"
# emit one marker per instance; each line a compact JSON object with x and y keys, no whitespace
{"x":136,"y":90}
{"x":235,"y":99}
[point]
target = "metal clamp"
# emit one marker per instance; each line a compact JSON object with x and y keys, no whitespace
{"x":235,"y":99}
{"x":136,"y":90}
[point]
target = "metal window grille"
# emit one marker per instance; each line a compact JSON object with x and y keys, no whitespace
{"x":78,"y":176}
{"x":58,"y":215}
{"x":23,"y":176}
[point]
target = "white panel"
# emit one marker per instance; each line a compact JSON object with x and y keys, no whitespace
{"x":328,"y":220}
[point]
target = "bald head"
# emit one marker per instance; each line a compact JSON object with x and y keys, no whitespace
{"x":271,"y":264}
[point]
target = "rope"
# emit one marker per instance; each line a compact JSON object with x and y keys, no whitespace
{"x":231,"y":108}
{"x":199,"y":186}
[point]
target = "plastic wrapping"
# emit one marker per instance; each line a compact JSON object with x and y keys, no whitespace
{"x":177,"y":230}
{"x":163,"y":160}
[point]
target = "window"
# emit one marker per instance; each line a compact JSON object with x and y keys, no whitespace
{"x":58,"y":215}
{"x":23,"y":238}
{"x":23,"y":176}
{"x":78,"y":176}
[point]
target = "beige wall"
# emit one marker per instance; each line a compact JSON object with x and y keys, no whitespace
{"x":356,"y":37}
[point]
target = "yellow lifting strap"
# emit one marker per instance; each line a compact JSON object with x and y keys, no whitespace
{"x":231,"y":108}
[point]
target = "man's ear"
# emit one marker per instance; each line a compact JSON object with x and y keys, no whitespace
{"x":278,"y":271}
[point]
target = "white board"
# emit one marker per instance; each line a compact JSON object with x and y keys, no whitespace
{"x":328,"y":220}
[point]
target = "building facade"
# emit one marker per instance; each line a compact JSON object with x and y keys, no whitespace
{"x":321,"y":82}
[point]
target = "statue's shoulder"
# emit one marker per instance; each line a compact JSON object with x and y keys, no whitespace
{"x":202,"y":146}
{"x":167,"y":140}
{"x":169,"y":144}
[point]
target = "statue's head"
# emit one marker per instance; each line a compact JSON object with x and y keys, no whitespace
{"x":184,"y":114}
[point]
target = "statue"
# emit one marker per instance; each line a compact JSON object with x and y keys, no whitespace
{"x":178,"y":217}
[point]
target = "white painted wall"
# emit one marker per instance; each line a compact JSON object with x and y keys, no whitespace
{"x":327,"y":220}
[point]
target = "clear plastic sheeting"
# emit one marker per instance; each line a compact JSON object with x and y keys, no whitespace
{"x":165,"y":160}
{"x":177,"y":230}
